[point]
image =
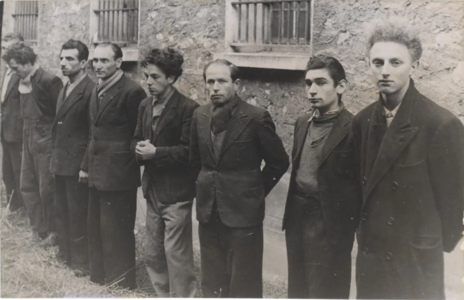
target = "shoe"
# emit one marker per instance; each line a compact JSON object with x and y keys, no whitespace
{"x":50,"y":240}
{"x":81,"y":272}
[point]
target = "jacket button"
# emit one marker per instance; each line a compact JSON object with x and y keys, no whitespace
{"x":391,"y":220}
{"x":364,"y":180}
{"x":364,"y":217}
{"x":389,"y":256}
{"x":365,"y":251}
{"x":394,"y":185}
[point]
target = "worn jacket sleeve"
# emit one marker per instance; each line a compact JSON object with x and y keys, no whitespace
{"x":166,"y":156}
{"x":446,"y":169}
{"x":56,"y":86}
{"x":273,"y":152}
{"x":195,"y":158}
{"x":138,"y":135}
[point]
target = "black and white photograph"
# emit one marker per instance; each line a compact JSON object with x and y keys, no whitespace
{"x":309,"y":149}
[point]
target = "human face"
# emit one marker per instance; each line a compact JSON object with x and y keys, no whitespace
{"x":219,"y":85}
{"x":21,"y":70}
{"x":391,"y":66}
{"x":156,"y":80}
{"x":8,"y":44}
{"x":104,"y":63}
{"x":69,"y":62}
{"x":321,"y":90}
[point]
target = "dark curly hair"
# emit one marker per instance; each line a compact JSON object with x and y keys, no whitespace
{"x":82,"y":50}
{"x":168,"y":60}
{"x":21,"y":53}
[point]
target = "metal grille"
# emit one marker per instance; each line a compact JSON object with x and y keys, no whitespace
{"x":118,"y":20}
{"x":283,"y":22}
{"x":26,"y":15}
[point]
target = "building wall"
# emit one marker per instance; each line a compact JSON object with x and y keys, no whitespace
{"x":196,"y":28}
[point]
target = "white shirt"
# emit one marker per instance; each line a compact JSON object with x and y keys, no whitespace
{"x":390,"y":114}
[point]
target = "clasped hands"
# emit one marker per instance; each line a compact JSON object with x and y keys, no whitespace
{"x":145,"y":150}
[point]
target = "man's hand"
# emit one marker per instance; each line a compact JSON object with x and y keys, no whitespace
{"x":83,"y":177}
{"x":145,"y":150}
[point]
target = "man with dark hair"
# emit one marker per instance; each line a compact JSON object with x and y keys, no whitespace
{"x":70,"y":133}
{"x":412,"y":164}
{"x":230,"y":139}
{"x":112,"y":172}
{"x":162,"y":143}
{"x":38,"y":96}
{"x":11,"y":129}
{"x":324,"y":197}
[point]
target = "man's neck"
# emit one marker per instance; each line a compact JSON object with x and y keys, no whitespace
{"x":166,"y":94}
{"x":393,"y":100}
{"x":77,"y":76}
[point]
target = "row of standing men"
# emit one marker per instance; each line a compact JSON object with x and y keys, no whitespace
{"x":393,"y":174}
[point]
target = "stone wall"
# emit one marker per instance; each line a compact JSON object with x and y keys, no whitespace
{"x":196,"y":28}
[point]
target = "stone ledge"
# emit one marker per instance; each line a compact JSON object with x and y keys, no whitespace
{"x":280,"y":61}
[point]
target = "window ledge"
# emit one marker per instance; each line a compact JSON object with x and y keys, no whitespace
{"x":279,"y":61}
{"x":128,"y":54}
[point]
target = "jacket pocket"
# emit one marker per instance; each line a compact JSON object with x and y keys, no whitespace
{"x":425,"y":242}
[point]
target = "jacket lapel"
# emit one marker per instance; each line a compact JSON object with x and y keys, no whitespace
{"x":301,"y":137}
{"x":13,"y":81}
{"x":337,"y":133}
{"x":204,"y":122}
{"x":109,"y":96}
{"x":75,"y":95}
{"x":147,"y":120}
{"x":237,"y":124}
{"x":169,"y":112}
{"x":397,"y":137}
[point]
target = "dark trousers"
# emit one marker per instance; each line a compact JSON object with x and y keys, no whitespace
{"x":231,"y":260}
{"x":316,"y":269}
{"x":37,"y":182}
{"x":11,"y":170}
{"x":110,"y":225}
{"x":71,"y":205}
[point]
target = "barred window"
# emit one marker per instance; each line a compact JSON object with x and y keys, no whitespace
{"x":269,"y":25}
{"x":118,"y":21}
{"x":25,"y":19}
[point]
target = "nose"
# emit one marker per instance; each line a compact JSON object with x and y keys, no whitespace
{"x":63,"y":62}
{"x":385,"y":70}
{"x":149,"y":81}
{"x":216,"y":86}
{"x":312,"y":91}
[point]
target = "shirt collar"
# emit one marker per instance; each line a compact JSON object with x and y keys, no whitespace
{"x":163,"y":100}
{"x":392,"y":112}
{"x":77,"y":81}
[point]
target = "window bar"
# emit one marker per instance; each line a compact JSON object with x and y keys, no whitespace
{"x":29,"y":19}
{"x":120,"y":17}
{"x":124,"y":23}
{"x":136,"y":20}
{"x":112,"y":23}
{"x":259,"y":21}
{"x":306,"y":24}
{"x":132,"y":17}
{"x":36,"y":17}
{"x":19,"y":9}
{"x":271,"y":9}
{"x":116,"y":20}
{"x":297,"y":22}
{"x":105,"y":21}
{"x":288,"y":24}
{"x":264,"y":23}
{"x":26,"y":20}
{"x":247,"y":23}
{"x":281,"y":25}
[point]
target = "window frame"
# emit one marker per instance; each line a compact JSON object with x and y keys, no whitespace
{"x":26,"y":23}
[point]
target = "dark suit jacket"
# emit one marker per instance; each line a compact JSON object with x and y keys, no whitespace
{"x":413,"y":184}
{"x":70,"y":129}
{"x":109,"y":159}
{"x":45,"y":88}
{"x":12,"y":120}
{"x":235,"y":180}
{"x":338,"y":179}
{"x":169,"y":171}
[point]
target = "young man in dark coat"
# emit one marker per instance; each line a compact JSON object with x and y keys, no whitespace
{"x":324,"y":197}
{"x":230,"y":139}
{"x":11,"y":129}
{"x":112,"y":171}
{"x":39,"y":92}
{"x":161,"y":143}
{"x":70,"y":134}
{"x":412,"y":168}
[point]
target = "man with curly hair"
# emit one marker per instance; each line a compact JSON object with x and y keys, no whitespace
{"x":39,"y":92}
{"x":162,"y":143}
{"x":412,"y":169}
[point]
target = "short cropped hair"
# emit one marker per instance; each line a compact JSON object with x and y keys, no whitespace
{"x":168,"y":60}
{"x":397,"y":31}
{"x":21,"y":53}
{"x":13,"y":36}
{"x":116,"y":49}
{"x":234,"y":70}
{"x":82,"y":50}
{"x":331,"y":64}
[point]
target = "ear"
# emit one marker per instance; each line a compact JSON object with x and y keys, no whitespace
{"x":83,"y":63}
{"x":171,"y":79}
{"x":119,"y":62}
{"x":237,"y":84}
{"x":341,"y":86}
